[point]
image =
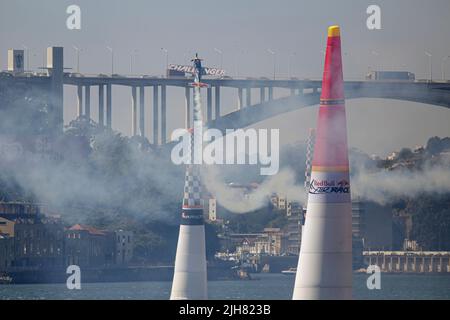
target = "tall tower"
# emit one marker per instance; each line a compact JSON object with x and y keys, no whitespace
{"x":325,"y":262}
{"x":190,"y":277}
{"x":55,"y":66}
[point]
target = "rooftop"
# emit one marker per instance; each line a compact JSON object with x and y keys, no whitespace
{"x":91,"y":230}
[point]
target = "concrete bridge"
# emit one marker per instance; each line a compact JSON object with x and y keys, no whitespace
{"x":248,"y":110}
{"x":409,"y":261}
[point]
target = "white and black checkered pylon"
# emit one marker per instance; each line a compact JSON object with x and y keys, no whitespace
{"x":309,"y":158}
{"x":192,"y":197}
{"x":192,"y":188}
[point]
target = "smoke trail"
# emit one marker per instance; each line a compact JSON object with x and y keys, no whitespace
{"x":382,"y":187}
{"x":236,"y":201}
{"x":197,"y":106}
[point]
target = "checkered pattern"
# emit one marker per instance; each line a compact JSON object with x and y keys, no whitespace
{"x":193,"y":195}
{"x":192,"y":188}
{"x":309,"y":157}
{"x":192,"y":183}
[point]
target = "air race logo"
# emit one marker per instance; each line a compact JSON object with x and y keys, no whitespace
{"x":329,"y":186}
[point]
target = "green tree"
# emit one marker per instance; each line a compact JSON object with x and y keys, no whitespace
{"x":431,"y":221}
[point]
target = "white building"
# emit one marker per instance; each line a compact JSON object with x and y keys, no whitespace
{"x":124,"y":246}
{"x":212,"y":210}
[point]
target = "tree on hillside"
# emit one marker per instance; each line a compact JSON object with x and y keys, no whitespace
{"x":431,"y":221}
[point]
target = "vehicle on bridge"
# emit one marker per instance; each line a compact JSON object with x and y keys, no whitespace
{"x":391,"y":76}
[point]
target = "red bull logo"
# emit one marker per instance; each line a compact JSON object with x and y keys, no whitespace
{"x":329,"y":186}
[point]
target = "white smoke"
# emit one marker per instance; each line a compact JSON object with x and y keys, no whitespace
{"x":237,"y":201}
{"x":381,"y":187}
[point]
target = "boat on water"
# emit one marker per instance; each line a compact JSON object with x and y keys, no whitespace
{"x":289,"y":272}
{"x":5,"y":279}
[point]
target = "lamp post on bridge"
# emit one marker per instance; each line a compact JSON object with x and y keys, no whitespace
{"x":77,"y":51}
{"x":430,"y":56}
{"x":112,"y":59}
{"x":274,"y":63}
{"x":133,"y":54}
{"x":221,"y":56}
{"x":167,"y":60}
{"x":240,"y":53}
{"x":290,"y":64}
{"x":376,"y":54}
{"x":444,"y":59}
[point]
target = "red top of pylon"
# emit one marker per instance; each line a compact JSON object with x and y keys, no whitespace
{"x":332,"y":86}
{"x":331,"y":152}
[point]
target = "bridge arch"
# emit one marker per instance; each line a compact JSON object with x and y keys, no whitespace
{"x":259,"y":112}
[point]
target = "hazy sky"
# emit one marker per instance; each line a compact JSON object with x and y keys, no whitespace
{"x":244,"y":30}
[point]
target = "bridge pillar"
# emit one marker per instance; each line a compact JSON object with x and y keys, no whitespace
{"x":155,"y":115}
{"x":292,"y":91}
{"x":262,"y":95}
{"x":87,"y":106}
{"x":142,"y":111}
{"x":240,"y":101}
{"x":79,"y":101}
{"x":270,"y":93}
{"x":101,"y":105}
{"x":209,"y":108}
{"x":249,"y":97}
{"x":133,"y":111}
{"x":163,"y":114}
{"x":217,"y":104}
{"x":109,"y":106}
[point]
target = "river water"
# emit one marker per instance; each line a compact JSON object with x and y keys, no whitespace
{"x":268,"y":287}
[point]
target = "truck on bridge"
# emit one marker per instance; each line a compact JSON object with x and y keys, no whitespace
{"x":391,"y":76}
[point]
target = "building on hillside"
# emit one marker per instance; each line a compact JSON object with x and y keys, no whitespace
{"x":24,"y":212}
{"x":293,"y":234}
{"x":6,"y":252}
{"x":358,"y":219}
{"x":124,"y":247}
{"x":38,"y":245}
{"x":7,"y":227}
{"x":271,"y":242}
{"x":212,"y":209}
{"x":87,"y":246}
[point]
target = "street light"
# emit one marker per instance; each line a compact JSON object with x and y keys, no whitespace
{"x":444,"y":59}
{"x":290,"y":63}
{"x":77,"y":50}
{"x":221,"y":57}
{"x":133,"y":54}
{"x":431,"y":65}
{"x":376,"y":54}
{"x":112,"y":59}
{"x":167,"y":60}
{"x":274,"y":63}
